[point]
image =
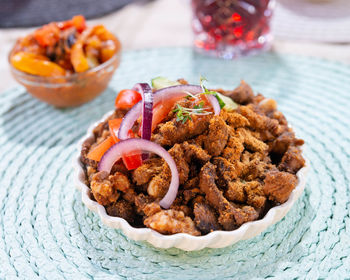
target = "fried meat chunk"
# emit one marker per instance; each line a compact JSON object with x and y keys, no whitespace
{"x":171,"y":222}
{"x":235,"y":191}
{"x":234,"y":119}
{"x":227,"y":170}
{"x":250,"y":193}
{"x":173,"y":132}
{"x":159,"y":184}
{"x":254,"y":166}
{"x":281,"y":144}
{"x":177,"y":153}
{"x":122,"y":209}
{"x":292,"y":160}
{"x":217,"y":137}
{"x":195,"y":152}
{"x":144,"y":173}
{"x":234,"y":147}
{"x":243,"y":94}
{"x":278,"y":185}
{"x":230,"y":216}
{"x":105,"y":187}
{"x":260,"y":122}
{"x":190,"y":194}
{"x":251,"y":142}
{"x":205,"y":218}
{"x":255,"y":194}
{"x":146,"y":205}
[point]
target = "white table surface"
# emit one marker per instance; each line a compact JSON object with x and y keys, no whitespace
{"x":162,"y":23}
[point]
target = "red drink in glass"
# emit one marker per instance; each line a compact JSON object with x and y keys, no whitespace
{"x":231,"y":28}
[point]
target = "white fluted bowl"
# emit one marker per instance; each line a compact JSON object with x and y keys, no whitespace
{"x":184,"y":241}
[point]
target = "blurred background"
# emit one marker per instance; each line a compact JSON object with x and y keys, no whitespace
{"x":310,"y":27}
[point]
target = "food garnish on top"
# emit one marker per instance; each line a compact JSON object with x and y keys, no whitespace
{"x":183,"y":158}
{"x":63,"y":48}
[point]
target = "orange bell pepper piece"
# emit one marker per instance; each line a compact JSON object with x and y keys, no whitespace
{"x":97,"y":153}
{"x":108,"y":50}
{"x":36,"y":65}
{"x":104,"y":35}
{"x":78,"y":57}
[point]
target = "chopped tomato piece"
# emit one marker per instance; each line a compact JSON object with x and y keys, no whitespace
{"x":48,"y":35}
{"x":79,"y":23}
{"x":127,"y":98}
{"x":133,"y":161}
{"x":160,"y":112}
{"x":97,"y":153}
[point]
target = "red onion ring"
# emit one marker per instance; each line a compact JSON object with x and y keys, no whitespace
{"x":159,"y":96}
{"x":133,"y":144}
{"x":214,"y":103}
{"x":147,"y":109}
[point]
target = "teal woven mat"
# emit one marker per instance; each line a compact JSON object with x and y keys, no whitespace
{"x":47,"y":233}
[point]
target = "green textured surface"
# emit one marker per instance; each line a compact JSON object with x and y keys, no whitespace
{"x":46,"y":232}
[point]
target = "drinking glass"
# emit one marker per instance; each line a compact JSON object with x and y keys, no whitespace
{"x":231,"y":28}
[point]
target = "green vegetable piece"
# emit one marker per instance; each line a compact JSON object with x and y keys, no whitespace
{"x":230,"y":105}
{"x":225,"y":102}
{"x":162,"y":82}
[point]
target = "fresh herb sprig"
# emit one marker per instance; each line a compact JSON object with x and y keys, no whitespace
{"x":184,"y":114}
{"x":212,"y":92}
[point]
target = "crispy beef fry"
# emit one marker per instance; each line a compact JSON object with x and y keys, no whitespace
{"x":233,"y":167}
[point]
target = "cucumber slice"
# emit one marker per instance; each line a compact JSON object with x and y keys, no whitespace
{"x":230,"y":105}
{"x":162,"y":82}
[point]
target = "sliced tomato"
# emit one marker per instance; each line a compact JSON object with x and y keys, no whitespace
{"x":130,"y":161}
{"x":97,"y":153}
{"x":127,"y":98}
{"x":160,"y":112}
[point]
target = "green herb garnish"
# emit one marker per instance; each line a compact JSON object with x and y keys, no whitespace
{"x":182,"y":115}
{"x":199,"y":106}
{"x":206,"y":91}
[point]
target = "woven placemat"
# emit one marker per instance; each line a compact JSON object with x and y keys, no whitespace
{"x":46,"y":232}
{"x":312,"y":20}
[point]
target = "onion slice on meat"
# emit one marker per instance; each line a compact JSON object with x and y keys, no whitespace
{"x":147,"y":109}
{"x":143,"y":107}
{"x":131,"y":145}
{"x":214,"y":103}
{"x":159,"y":96}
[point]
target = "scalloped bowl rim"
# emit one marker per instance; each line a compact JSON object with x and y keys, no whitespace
{"x":184,"y":241}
